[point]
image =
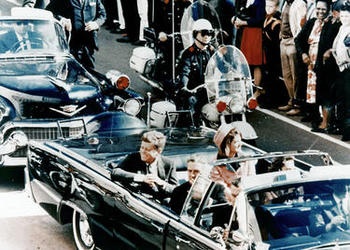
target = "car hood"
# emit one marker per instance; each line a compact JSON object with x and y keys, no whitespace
{"x":50,"y":87}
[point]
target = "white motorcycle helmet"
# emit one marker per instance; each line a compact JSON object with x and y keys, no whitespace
{"x":202,"y":25}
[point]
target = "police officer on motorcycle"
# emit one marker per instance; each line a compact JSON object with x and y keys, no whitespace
{"x":191,"y":69}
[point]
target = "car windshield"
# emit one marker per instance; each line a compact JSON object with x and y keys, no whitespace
{"x":59,"y":69}
{"x":20,"y":35}
{"x":303,"y":211}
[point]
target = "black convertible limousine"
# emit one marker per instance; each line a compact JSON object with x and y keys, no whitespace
{"x":70,"y":179}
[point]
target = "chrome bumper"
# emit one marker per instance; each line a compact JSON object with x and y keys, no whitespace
{"x":16,"y":135}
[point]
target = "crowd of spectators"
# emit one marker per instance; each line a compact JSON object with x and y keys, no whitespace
{"x":289,"y":46}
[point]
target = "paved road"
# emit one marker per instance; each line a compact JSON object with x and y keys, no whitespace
{"x":24,"y":225}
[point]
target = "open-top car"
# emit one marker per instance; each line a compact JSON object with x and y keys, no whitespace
{"x":71,"y":180}
{"x":41,"y":82}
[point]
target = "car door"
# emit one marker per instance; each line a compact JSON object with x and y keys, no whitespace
{"x":138,"y":223}
{"x":190,"y":232}
{"x":117,"y":216}
{"x":48,"y":179}
{"x":182,"y":236}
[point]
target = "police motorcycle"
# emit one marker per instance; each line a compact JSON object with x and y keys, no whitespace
{"x":228,"y":82}
{"x":229,"y":87}
{"x":156,"y":61}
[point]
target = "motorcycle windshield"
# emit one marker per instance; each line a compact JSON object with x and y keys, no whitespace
{"x":228,"y":75}
{"x":197,"y":10}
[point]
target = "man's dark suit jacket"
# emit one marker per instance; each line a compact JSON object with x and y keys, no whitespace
{"x":132,"y":165}
{"x":178,"y":197}
{"x":90,"y":10}
{"x":9,"y":40}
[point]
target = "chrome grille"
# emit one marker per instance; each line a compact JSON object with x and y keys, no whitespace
{"x":51,"y":133}
{"x":46,"y":133}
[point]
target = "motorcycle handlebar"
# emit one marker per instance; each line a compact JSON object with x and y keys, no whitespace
{"x":194,"y":90}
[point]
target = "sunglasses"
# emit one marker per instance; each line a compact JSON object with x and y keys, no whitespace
{"x":207,"y":32}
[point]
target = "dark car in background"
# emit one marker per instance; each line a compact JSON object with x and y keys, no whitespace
{"x":42,"y":83}
{"x":71,"y":180}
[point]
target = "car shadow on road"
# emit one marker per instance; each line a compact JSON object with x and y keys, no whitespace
{"x":11,"y":179}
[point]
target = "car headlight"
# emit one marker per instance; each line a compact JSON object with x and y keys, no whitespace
{"x":16,"y":139}
{"x":132,"y":107}
{"x":236,"y":104}
{"x":19,"y":138}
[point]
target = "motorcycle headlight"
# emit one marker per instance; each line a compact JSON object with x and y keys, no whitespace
{"x":132,"y":107}
{"x":236,"y":104}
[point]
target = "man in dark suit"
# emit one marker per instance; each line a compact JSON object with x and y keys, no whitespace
{"x":82,"y":18}
{"x":20,"y":38}
{"x":148,"y":169}
{"x":194,"y":166}
{"x":335,"y":217}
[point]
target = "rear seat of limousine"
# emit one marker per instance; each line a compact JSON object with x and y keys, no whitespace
{"x":180,"y":162}
{"x":286,"y":222}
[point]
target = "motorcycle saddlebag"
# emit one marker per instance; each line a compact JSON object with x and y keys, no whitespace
{"x":141,"y":58}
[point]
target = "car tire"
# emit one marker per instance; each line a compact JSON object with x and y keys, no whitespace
{"x":81,"y":230}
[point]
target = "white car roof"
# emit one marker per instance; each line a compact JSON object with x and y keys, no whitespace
{"x":25,"y":13}
{"x":256,"y":182}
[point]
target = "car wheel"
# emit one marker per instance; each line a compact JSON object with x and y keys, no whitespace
{"x":82,"y":232}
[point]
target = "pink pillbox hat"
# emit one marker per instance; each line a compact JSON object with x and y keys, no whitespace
{"x":221,"y":133}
